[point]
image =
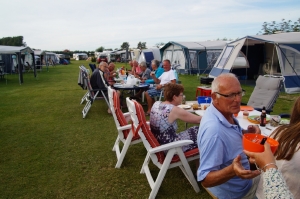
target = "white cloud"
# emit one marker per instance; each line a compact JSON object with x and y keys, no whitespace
{"x":87,"y":25}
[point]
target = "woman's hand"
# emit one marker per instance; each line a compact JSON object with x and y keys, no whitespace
{"x":263,"y":158}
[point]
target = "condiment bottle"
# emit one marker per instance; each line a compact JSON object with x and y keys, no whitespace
{"x":263,"y":117}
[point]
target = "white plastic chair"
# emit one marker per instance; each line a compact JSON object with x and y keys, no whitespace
{"x":125,"y":130}
{"x":91,"y":95}
{"x":174,"y":156}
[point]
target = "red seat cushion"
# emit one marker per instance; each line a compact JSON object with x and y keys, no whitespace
{"x":153,"y":141}
{"x":120,"y":116}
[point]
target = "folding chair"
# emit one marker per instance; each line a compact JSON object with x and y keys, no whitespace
{"x":174,"y":156}
{"x":265,"y":93}
{"x":125,"y":130}
{"x":92,"y":95}
{"x":81,"y":83}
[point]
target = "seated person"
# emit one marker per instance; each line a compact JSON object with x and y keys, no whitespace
{"x":144,"y":76}
{"x":145,"y":72}
{"x":136,"y":69}
{"x":98,"y":80}
{"x":220,"y":142}
{"x":164,"y":115}
{"x":158,"y":71}
{"x":111,"y":74}
{"x":167,"y":77}
{"x":288,"y":153}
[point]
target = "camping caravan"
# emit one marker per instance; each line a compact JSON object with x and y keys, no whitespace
{"x":147,"y":55}
{"x":274,"y":55}
{"x":80,"y":56}
{"x":192,"y":57}
{"x":121,"y":56}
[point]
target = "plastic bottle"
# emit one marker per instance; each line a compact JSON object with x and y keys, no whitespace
{"x":263,"y":117}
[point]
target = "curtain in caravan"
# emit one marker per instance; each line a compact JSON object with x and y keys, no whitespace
{"x":178,"y":59}
{"x":167,"y":55}
{"x":227,"y":58}
{"x":289,"y":59}
{"x":194,"y":59}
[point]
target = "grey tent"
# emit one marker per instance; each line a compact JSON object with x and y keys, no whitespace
{"x":193,"y":57}
{"x":19,"y":51}
{"x":275,"y":55}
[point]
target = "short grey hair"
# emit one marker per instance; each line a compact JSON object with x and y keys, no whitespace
{"x":143,"y":64}
{"x":215,"y":85}
{"x":156,"y":62}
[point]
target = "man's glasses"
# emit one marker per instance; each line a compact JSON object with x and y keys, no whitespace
{"x":232,"y":95}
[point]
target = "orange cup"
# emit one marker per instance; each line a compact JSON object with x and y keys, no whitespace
{"x":252,"y":141}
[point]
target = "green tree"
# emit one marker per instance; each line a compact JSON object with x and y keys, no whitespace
{"x":141,"y":45}
{"x":100,"y":49}
{"x":13,"y":41}
{"x":283,"y":26}
{"x":125,"y":45}
{"x":159,"y":44}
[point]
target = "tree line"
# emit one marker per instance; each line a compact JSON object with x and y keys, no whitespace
{"x":12,"y":41}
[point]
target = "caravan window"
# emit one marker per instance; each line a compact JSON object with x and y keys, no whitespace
{"x":225,"y":57}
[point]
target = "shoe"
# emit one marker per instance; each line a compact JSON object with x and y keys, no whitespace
{"x":147,"y":114}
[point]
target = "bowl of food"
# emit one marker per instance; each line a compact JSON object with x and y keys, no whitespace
{"x":253,"y":142}
{"x":256,"y":119}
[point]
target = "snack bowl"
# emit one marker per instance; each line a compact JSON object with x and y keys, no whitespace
{"x":251,"y":142}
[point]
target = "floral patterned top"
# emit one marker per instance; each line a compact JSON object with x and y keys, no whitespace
{"x":275,"y":185}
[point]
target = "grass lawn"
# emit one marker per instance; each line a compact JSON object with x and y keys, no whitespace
{"x":49,"y":151}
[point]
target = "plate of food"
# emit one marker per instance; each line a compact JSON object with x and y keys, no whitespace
{"x":184,"y":106}
{"x":284,"y":121}
{"x":256,"y":119}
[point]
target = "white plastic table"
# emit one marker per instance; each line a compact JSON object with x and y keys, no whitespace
{"x":244,"y":123}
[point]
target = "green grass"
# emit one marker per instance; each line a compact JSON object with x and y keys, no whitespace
{"x":49,"y":151}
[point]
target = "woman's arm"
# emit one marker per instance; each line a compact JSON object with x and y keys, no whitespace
{"x":179,"y":113}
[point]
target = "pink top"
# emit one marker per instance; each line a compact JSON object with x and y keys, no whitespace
{"x":138,"y":70}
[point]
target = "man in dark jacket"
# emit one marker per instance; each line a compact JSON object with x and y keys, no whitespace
{"x":98,"y":80}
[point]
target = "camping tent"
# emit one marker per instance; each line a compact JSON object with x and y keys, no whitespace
{"x":193,"y":57}
{"x":19,"y":55}
{"x":277,"y":54}
{"x":147,"y":55}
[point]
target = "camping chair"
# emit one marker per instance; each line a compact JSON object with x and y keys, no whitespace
{"x":265,"y":93}
{"x":125,"y":130}
{"x":92,"y":95}
{"x":82,"y":84}
{"x":93,"y":67}
{"x":165,"y":156}
{"x":28,"y":67}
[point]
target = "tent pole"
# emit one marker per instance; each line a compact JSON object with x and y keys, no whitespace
{"x":20,"y":68}
{"x":33,"y":63}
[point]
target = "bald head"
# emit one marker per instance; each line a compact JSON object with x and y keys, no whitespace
{"x":223,"y":80}
{"x":103,"y":66}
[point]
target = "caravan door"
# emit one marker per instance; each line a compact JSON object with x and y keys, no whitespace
{"x":227,"y":58}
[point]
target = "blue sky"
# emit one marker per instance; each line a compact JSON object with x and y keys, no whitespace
{"x":87,"y":25}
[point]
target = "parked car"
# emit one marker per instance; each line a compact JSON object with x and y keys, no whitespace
{"x":102,"y":57}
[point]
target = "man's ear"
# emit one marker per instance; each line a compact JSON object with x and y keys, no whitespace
{"x":214,"y":97}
